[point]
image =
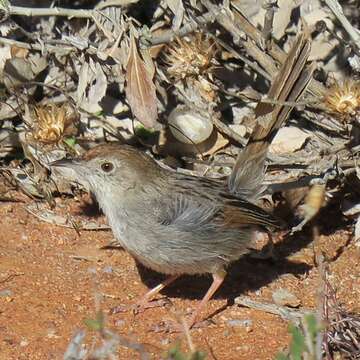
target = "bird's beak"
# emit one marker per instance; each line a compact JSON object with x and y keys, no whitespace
{"x":73,"y":164}
{"x":72,"y":170}
{"x":66,"y":163}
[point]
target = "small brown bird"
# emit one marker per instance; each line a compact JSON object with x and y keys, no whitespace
{"x":171,"y":223}
{"x":179,"y":224}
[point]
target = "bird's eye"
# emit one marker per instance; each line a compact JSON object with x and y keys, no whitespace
{"x":107,"y":167}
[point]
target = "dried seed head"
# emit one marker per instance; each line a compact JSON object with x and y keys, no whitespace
{"x":52,"y":122}
{"x":191,"y":56}
{"x":314,"y":200}
{"x":343,"y":99}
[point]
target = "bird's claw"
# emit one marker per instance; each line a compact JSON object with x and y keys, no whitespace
{"x":140,"y":306}
{"x":175,"y":327}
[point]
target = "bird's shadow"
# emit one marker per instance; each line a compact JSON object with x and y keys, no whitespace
{"x":246,"y":274}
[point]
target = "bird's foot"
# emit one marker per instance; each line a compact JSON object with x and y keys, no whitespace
{"x":176,"y":327}
{"x":140,"y":306}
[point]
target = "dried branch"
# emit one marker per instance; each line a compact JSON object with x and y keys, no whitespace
{"x":283,"y":311}
{"x":342,"y":328}
{"x":169,"y":35}
{"x":106,"y":3}
{"x":55,"y":11}
{"x":337,"y":10}
{"x":275,"y":51}
{"x":38,"y":47}
{"x":269,"y":6}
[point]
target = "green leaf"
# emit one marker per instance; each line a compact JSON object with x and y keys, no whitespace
{"x":198,"y":355}
{"x":96,"y":324}
{"x":300,"y":338}
{"x":70,"y":141}
{"x":297,"y":346}
{"x":5,"y":5}
{"x":99,"y":113}
{"x":312,"y":325}
{"x":143,"y":132}
{"x":175,"y":353}
{"x":281,"y":356}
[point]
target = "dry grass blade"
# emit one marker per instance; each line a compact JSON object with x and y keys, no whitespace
{"x":342,"y":332}
{"x":140,"y":89}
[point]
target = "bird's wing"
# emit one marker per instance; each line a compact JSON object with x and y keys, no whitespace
{"x":185,"y":213}
{"x":204,"y":203}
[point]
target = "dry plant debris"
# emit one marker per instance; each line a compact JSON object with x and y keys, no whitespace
{"x":341,"y":327}
{"x":191,"y":56}
{"x":75,"y":74}
{"x":344,"y":100}
{"x":53,"y":122}
{"x":140,"y":89}
{"x":192,"y":61}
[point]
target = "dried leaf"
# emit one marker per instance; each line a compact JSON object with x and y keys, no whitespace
{"x":177,"y":7}
{"x":19,"y":52}
{"x":5,"y":54}
{"x":17,"y":71}
{"x":288,"y":139}
{"x":140,"y":89}
{"x":357,"y":232}
{"x":220,"y":143}
{"x":91,"y":87}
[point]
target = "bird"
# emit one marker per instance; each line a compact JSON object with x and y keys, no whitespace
{"x":178,"y":224}
{"x":170,"y":222}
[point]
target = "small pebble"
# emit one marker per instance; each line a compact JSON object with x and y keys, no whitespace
{"x":237,"y":323}
{"x":5,"y":293}
{"x":91,"y":270}
{"x":10,"y":209}
{"x":119,"y":323}
{"x":226,"y":333}
{"x":108,"y":269}
{"x":283,"y":297}
{"x":165,"y":342}
{"x":239,"y":129}
{"x":24,"y":343}
{"x":51,"y":334}
{"x":242,"y":348}
{"x":188,"y":310}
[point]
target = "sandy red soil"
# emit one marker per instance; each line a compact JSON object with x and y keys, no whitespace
{"x":50,"y":278}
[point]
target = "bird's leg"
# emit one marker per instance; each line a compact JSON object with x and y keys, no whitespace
{"x":145,"y":301}
{"x":218,"y":279}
